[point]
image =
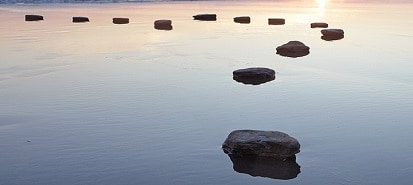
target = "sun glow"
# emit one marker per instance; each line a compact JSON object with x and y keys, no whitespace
{"x":321,"y":3}
{"x":321,"y":7}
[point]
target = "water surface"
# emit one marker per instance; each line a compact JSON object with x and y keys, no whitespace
{"x":98,"y":103}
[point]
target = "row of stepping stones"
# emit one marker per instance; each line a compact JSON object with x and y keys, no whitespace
{"x":254,"y":152}
{"x":256,"y":75}
{"x":327,"y":34}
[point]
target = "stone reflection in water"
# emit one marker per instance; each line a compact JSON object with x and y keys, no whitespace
{"x":266,"y":166}
{"x":331,"y":38}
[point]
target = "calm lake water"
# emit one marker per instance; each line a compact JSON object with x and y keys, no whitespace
{"x":99,"y":103}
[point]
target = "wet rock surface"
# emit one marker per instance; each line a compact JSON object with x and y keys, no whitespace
{"x":275,"y":144}
{"x":33,"y":17}
{"x":119,"y":20}
{"x":163,"y":24}
{"x":319,"y":25}
{"x":266,"y":167}
{"x":80,"y":19}
{"x":254,"y":76}
{"x":242,"y":19}
{"x":276,"y":21}
{"x":293,"y":49}
{"x":205,"y":17}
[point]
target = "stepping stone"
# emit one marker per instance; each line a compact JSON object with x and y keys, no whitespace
{"x":33,"y":17}
{"x":332,"y":34}
{"x":120,"y":20}
{"x":254,"y":76}
{"x":319,"y":25}
{"x":242,"y":20}
{"x":293,"y":49}
{"x":276,"y":21}
{"x":163,"y":24}
{"x":80,"y":19}
{"x":205,"y":17}
{"x":259,"y":143}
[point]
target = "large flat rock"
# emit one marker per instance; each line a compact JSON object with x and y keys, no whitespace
{"x":261,"y":143}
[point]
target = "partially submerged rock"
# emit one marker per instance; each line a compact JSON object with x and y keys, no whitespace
{"x":276,"y":21}
{"x":33,"y":17}
{"x":80,"y":19}
{"x":119,"y":20}
{"x":319,"y":25}
{"x":293,"y":49}
{"x":163,"y":24}
{"x":266,"y":167}
{"x":242,"y":20}
{"x":254,"y":76}
{"x":332,"y":34}
{"x":205,"y":17}
{"x":273,"y":144}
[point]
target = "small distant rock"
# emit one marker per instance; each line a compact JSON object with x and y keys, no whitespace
{"x":80,"y":19}
{"x":276,"y":21}
{"x":33,"y":17}
{"x":205,"y":17}
{"x":319,"y":25}
{"x":332,"y":34}
{"x":242,"y":20}
{"x":293,"y":49}
{"x":261,"y":143}
{"x":163,"y":24}
{"x":254,"y":76}
{"x":120,"y":20}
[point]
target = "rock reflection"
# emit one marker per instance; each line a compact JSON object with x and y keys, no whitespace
{"x":331,"y":38}
{"x":266,"y":167}
{"x":256,"y":81}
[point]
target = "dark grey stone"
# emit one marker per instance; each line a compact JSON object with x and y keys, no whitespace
{"x":293,"y":49}
{"x":332,"y":34}
{"x":242,"y":20}
{"x":205,"y":17}
{"x":163,"y":24}
{"x":120,"y":20}
{"x":276,"y":21}
{"x":80,"y":19}
{"x":319,"y":25}
{"x":254,"y":76}
{"x":33,"y":17}
{"x":274,"y":144}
